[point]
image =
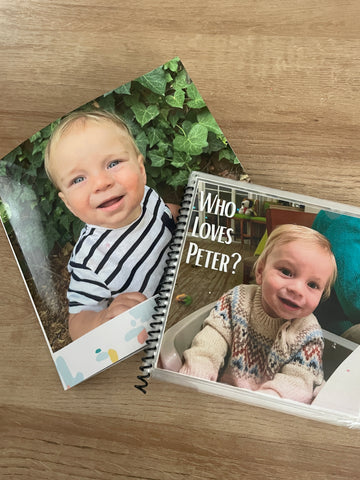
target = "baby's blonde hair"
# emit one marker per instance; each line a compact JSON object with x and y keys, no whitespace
{"x":288,"y":233}
{"x":82,"y":116}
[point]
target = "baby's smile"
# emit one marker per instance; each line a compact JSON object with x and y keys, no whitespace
{"x":111,"y":203}
{"x":289,"y":303}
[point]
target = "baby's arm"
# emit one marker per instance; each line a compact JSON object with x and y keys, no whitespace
{"x":174,"y":209}
{"x":86,"y":320}
{"x":206,"y":355}
{"x":298,"y":378}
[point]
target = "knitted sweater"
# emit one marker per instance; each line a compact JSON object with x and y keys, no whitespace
{"x":255,"y":351}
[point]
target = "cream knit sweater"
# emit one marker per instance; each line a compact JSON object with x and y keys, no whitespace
{"x":243,"y":346}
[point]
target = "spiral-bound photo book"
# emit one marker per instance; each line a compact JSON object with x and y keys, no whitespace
{"x":89,"y":205}
{"x":260,"y":303}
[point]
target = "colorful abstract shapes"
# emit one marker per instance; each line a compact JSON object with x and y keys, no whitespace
{"x":111,"y":353}
{"x":65,"y":373}
{"x":138,"y":331}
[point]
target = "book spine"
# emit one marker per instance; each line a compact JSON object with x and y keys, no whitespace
{"x":162,"y":300}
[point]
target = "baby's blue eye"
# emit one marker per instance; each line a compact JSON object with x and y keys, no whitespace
{"x":78,"y":180}
{"x":313,"y":285}
{"x":113,"y":163}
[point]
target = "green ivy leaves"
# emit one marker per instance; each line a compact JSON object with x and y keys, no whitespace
{"x":195,"y":99}
{"x":176,"y":99}
{"x":194,"y":142}
{"x":145,"y":114}
{"x":155,"y":81}
{"x":208,"y":121}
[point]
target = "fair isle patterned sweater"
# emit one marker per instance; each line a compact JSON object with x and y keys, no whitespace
{"x":255,"y":351}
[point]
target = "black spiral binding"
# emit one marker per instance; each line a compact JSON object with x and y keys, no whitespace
{"x":157,"y":324}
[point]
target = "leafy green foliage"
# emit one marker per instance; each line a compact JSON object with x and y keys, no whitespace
{"x":171,"y":125}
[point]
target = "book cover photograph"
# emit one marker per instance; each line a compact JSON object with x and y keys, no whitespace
{"x":89,"y":205}
{"x":261,"y":302}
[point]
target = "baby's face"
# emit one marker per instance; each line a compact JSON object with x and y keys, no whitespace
{"x":100,"y":175}
{"x":293,"y":279}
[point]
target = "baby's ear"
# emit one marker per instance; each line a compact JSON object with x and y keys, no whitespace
{"x":63,"y":198}
{"x":258,"y":272}
{"x":141,"y":161}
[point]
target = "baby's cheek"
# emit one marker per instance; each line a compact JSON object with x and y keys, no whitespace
{"x":315,"y":300}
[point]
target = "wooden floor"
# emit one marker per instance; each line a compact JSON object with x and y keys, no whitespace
{"x":282,"y":80}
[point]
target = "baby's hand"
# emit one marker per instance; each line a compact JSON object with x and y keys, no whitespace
{"x":174,"y":209}
{"x":86,"y":320}
{"x":122,"y":303}
{"x":202,"y":368}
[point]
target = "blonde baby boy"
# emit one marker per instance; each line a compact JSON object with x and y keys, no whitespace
{"x":265,"y":337}
{"x":119,"y":258}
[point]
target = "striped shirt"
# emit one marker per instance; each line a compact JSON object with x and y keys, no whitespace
{"x":106,"y":262}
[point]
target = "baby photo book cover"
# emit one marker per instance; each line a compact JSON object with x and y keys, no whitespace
{"x":263,"y":306}
{"x":89,"y":205}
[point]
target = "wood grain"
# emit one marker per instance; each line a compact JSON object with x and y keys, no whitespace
{"x":282,"y":80}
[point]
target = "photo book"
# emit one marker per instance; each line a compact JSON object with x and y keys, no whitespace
{"x":260,"y":301}
{"x":92,"y":242}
